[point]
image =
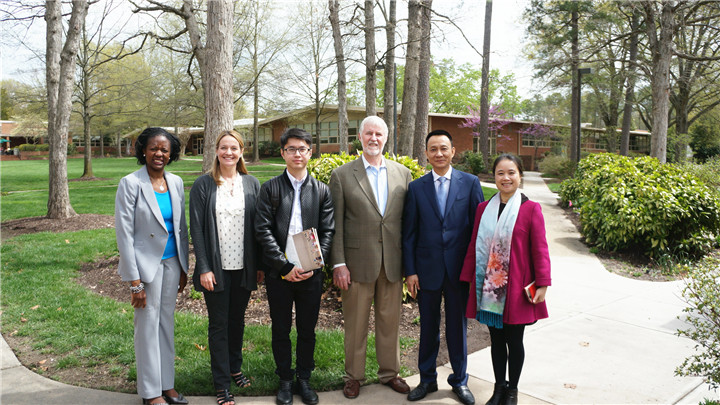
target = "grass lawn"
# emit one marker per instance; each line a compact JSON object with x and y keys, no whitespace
{"x":79,"y":328}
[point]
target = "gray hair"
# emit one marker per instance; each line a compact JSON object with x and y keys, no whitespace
{"x":374,"y":119}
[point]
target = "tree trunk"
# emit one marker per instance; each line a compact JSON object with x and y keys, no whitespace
{"x":389,"y":99}
{"x":85,"y":105}
{"x":485,"y":88}
{"x":575,"y":131}
{"x":256,"y":126}
{"x":343,"y":123}
{"x":370,"y":64}
{"x":87,"y":161}
{"x":423,"y":98}
{"x":410,"y":86}
{"x":60,"y":74}
{"x":630,"y":88}
{"x":661,"y":49}
{"x":217,"y":76}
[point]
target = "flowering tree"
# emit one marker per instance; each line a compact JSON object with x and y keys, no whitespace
{"x":497,"y":119}
{"x":537,"y":132}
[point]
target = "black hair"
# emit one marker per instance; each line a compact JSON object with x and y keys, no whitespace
{"x":510,"y":157}
{"x":297,"y":133}
{"x":150,"y":133}
{"x":438,"y":132}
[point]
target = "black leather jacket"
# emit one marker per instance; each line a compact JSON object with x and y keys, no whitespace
{"x":272,"y":219}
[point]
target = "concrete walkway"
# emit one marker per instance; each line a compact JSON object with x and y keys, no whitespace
{"x":609,"y":340}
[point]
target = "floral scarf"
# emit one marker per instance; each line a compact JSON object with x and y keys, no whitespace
{"x":492,"y":258}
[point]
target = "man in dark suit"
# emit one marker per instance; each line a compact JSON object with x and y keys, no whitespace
{"x":437,"y":224}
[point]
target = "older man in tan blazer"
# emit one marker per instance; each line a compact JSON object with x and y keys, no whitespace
{"x":369,"y":194}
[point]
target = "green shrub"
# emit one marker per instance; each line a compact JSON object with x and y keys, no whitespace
{"x":557,"y":166}
{"x":703,"y":315}
{"x":322,"y":167}
{"x":26,"y":147}
{"x":355,"y":146}
{"x":640,"y":204}
{"x":708,"y":172}
{"x":71,"y":149}
{"x":471,"y":162}
{"x":269,"y":149}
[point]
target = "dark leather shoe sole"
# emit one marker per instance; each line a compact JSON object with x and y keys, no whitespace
{"x":422,"y":390}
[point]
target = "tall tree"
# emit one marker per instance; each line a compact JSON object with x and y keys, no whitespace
{"x":370,"y":60}
{"x":630,"y":85}
{"x":423,"y":90}
{"x":60,"y":79}
{"x":389,"y":96}
{"x":410,"y":83}
{"x":214,"y":59}
{"x":485,"y":87}
{"x":343,"y":123}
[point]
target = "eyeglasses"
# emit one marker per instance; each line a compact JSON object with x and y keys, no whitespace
{"x":292,"y":150}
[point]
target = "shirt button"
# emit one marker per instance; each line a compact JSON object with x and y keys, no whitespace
{"x":152,"y":235}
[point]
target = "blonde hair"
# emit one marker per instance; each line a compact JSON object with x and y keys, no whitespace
{"x":241,"y":162}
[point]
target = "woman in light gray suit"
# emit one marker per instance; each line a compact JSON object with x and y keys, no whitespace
{"x":152,"y":238}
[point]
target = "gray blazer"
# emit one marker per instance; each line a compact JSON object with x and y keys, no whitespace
{"x":140,"y":228}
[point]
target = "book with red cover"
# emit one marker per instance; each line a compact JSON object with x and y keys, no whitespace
{"x":530,"y":291}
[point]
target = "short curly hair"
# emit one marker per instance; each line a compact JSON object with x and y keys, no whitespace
{"x":150,"y":133}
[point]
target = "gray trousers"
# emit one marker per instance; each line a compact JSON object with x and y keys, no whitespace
{"x":155,"y":332}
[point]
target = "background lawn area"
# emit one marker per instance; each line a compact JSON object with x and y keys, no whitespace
{"x":79,"y":328}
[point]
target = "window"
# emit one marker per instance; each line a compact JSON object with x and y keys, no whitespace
{"x":198,"y":144}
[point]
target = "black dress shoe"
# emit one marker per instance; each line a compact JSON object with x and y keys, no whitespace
{"x":464,"y":395}
{"x":284,"y":395}
{"x":180,"y":399}
{"x":302,"y":388}
{"x":421,"y":390}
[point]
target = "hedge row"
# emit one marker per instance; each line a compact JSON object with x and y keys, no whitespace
{"x":322,"y":167}
{"x":641,"y":204}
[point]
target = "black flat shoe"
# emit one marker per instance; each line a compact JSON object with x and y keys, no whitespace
{"x":464,"y":395}
{"x":180,"y":399}
{"x":422,"y":390}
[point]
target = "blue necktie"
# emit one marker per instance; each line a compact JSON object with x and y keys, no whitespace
{"x":442,"y":194}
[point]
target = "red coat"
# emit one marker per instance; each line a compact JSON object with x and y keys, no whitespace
{"x":529,"y":260}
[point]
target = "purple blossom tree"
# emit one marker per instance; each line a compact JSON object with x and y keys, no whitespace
{"x":497,"y":119}
{"x":538,"y":132}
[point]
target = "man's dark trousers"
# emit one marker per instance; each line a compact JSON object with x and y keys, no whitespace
{"x":306,"y":297}
{"x":456,"y":296}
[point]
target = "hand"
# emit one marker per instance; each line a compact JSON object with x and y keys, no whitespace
{"x":296,"y":274}
{"x":207,"y":280}
{"x":137,"y":300}
{"x":183,"y":281}
{"x":539,"y":295}
{"x":260,"y":276}
{"x":413,"y":284}
{"x":341,"y":277}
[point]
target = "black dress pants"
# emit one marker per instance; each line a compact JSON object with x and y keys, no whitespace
{"x":306,"y":297}
{"x":226,"y":326}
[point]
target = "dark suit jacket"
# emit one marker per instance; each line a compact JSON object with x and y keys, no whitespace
{"x":203,"y":228}
{"x":435,"y":243}
{"x":364,"y":239}
{"x":140,"y":228}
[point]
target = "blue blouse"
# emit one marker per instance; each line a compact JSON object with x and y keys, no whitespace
{"x":163,"y":200}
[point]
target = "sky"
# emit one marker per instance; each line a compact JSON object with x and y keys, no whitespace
{"x":506,"y":40}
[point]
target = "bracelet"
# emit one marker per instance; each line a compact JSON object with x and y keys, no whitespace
{"x":137,"y":289}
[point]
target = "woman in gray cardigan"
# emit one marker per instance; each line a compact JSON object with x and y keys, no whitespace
{"x":222,"y":212}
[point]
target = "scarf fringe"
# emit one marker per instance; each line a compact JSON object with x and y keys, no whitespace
{"x":490,"y":319}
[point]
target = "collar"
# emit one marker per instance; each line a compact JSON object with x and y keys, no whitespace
{"x":293,"y":180}
{"x":447,"y":175}
{"x":367,"y":164}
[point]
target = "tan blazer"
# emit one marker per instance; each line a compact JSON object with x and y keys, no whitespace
{"x":364,"y":239}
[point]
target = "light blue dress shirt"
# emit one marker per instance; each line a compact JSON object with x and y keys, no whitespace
{"x":379,"y":182}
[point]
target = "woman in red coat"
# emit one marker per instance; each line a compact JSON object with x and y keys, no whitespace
{"x":507,"y":252}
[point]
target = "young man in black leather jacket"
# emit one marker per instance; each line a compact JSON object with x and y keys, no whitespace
{"x":288,"y":204}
